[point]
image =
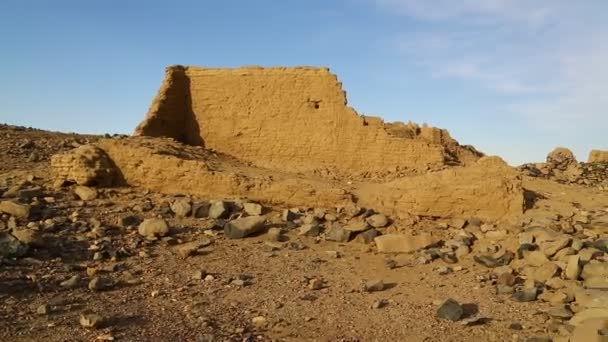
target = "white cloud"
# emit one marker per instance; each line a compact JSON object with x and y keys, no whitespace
{"x":547,"y":56}
{"x":533,"y":13}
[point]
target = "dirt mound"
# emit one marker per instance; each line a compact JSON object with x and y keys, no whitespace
{"x":293,"y":119}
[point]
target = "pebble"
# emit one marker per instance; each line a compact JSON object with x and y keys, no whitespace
{"x":450,"y":310}
{"x":377,"y":221}
{"x":152,"y":228}
{"x":29,"y":237}
{"x":200,"y":209}
{"x":85,"y":193}
{"x":99,"y":284}
{"x":561,"y":311}
{"x":15,"y":209}
{"x":316,"y":284}
{"x":91,"y":320}
{"x":402,"y":243}
{"x":337,"y":234}
{"x":43,"y":309}
{"x":259,"y":321}
{"x":525,"y":295}
{"x":253,"y":209}
{"x":181,"y":207}
{"x":244,"y":226}
{"x":374,"y":285}
{"x":71,"y":283}
{"x":218,"y":209}
{"x":309,"y":229}
{"x":379,"y":304}
{"x":11,"y":247}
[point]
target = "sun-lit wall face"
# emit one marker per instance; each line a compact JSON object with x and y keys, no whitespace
{"x":290,"y":119}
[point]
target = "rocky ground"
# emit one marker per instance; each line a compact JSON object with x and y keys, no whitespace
{"x":81,"y":263}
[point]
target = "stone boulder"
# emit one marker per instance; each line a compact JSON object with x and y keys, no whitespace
{"x":85,"y":165}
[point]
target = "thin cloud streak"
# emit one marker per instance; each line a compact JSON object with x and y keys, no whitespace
{"x":549,"y":67}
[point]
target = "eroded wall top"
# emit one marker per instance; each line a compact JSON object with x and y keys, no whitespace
{"x":293,"y":119}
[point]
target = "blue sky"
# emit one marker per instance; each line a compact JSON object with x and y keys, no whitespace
{"x":514,"y":78}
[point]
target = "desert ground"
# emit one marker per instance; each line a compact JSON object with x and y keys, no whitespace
{"x":253,"y":204}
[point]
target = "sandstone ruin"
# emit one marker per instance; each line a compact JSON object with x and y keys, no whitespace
{"x":598,"y":156}
{"x":285,"y":136}
{"x":293,"y":119}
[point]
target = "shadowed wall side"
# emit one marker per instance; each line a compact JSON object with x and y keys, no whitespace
{"x":170,"y":114}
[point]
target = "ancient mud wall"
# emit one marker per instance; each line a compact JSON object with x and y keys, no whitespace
{"x":292,"y":119}
{"x":598,"y":156}
{"x":487,"y":189}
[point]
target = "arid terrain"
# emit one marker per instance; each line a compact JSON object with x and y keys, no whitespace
{"x":253,"y":204}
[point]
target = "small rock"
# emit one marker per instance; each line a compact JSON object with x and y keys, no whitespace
{"x":337,"y":234}
{"x":591,"y":330}
{"x":218,"y":209}
{"x":333,"y":254}
{"x":129,"y":221}
{"x":99,"y":284}
{"x":535,"y":258}
{"x":357,"y":226}
{"x":244,"y":226}
{"x":588,"y":314}
{"x":43,"y":309}
{"x":11,"y":247}
{"x":71,"y":283}
{"x":516,"y":326}
{"x":201,"y":209}
{"x":259,"y":321}
{"x":253,"y":209}
{"x":367,"y":236}
{"x":154,"y":227}
{"x":190,"y":248}
{"x":504,"y":289}
{"x":549,"y":248}
{"x":401,"y":243}
{"x":85,"y":193}
{"x":377,"y":221}
{"x":539,"y":339}
{"x":594,"y":269}
{"x":374,"y":285}
{"x":474,"y":320}
{"x":29,"y":193}
{"x":598,"y":282}
{"x":181,"y":207}
{"x":545,"y":272}
{"x":289,"y":215}
{"x":15,"y":209}
{"x":315,"y":284}
{"x":379,"y":304}
{"x":458,"y":223}
{"x":443,"y":270}
{"x":461,"y":251}
{"x":239,"y":282}
{"x":525,"y":295}
{"x":276,"y":234}
{"x":573,"y":267}
{"x":450,"y":310}
{"x":91,"y":320}
{"x":198,"y":275}
{"x":309,"y":229}
{"x":561,"y":311}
